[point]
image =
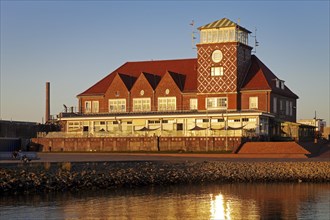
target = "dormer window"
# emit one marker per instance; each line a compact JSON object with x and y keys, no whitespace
{"x":277,"y":83}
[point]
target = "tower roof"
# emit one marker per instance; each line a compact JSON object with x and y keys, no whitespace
{"x":224,"y":22}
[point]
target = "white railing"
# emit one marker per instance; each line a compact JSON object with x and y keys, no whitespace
{"x":203,"y":133}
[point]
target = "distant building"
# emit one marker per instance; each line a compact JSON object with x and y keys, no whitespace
{"x":318,"y":124}
{"x":225,"y":91}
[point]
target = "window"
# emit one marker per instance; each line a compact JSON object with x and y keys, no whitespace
{"x":74,"y":126}
{"x":277,"y":83}
{"x":226,"y":36}
{"x":245,"y":119}
{"x":282,"y":84}
{"x":274,"y":104}
{"x":141,"y":104}
{"x":281,"y":105}
{"x":287,"y":107}
{"x":95,"y":106}
{"x":91,"y":106}
{"x":291,"y":108}
{"x":209,"y":36}
{"x":117,"y":105}
{"x":220,"y":35}
{"x":88,"y":106}
{"x":253,"y":102}
{"x":166,"y":103}
{"x":204,"y":36}
{"x":216,"y":103}
{"x":232,"y":35}
{"x":217,"y":71}
{"x":153,"y":121}
{"x":193,"y":104}
{"x":214,"y":35}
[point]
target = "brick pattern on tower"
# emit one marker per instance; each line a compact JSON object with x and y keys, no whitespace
{"x":214,"y":84}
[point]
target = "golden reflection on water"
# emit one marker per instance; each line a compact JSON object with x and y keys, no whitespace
{"x":216,"y":201}
{"x":228,"y":207}
{"x":218,"y":210}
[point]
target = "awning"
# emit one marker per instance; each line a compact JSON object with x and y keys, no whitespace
{"x":228,"y":128}
{"x":147,"y":129}
{"x":238,"y":128}
{"x":197,"y":128}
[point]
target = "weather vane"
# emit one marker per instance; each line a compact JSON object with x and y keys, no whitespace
{"x":256,"y":42}
{"x":193,"y":37}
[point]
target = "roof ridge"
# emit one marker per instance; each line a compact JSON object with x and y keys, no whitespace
{"x":145,"y":61}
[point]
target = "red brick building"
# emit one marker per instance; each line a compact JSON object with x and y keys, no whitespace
{"x":224,"y":91}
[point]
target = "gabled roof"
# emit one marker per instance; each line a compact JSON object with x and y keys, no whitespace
{"x":152,"y":79}
{"x":179,"y":79}
{"x":127,"y":80}
{"x":188,"y":67}
{"x":260,"y":77}
{"x":224,"y":22}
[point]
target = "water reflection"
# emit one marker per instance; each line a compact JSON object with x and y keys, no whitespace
{"x":229,"y":201}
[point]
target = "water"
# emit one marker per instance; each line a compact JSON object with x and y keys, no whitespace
{"x":212,"y":201}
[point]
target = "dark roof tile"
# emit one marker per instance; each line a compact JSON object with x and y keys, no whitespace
{"x":260,"y":77}
{"x":152,"y":79}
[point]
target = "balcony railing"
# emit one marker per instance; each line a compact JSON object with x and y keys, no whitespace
{"x":203,"y":133}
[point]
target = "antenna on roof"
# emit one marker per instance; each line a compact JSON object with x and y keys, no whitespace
{"x":192,"y":23}
{"x":256,"y":42}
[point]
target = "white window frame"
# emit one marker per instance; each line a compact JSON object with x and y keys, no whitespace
{"x":95,"y":106}
{"x":216,"y":71}
{"x":141,"y":104}
{"x":193,"y":104}
{"x":214,"y":35}
{"x":117,"y":105}
{"x":88,"y":106}
{"x":216,"y":103}
{"x":209,"y":36}
{"x":166,"y":103}
{"x":253,"y":102}
{"x":277,"y":83}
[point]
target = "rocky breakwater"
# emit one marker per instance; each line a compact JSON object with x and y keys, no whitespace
{"x":46,"y":177}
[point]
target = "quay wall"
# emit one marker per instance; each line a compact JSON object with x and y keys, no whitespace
{"x":66,"y":176}
{"x":138,"y":144}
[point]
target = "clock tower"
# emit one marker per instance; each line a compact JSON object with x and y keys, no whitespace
{"x":224,"y":57}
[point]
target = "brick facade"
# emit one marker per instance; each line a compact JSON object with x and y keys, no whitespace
{"x":225,"y":78}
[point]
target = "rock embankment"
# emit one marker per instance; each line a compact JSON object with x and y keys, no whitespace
{"x":46,"y":177}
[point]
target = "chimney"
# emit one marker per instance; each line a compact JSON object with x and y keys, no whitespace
{"x":47,"y":113}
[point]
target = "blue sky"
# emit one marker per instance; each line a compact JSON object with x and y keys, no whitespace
{"x":74,"y":44}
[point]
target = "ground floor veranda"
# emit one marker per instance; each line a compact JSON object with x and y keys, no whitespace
{"x":171,"y":124}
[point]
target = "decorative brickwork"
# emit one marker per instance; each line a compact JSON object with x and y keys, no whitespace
{"x":212,"y":84}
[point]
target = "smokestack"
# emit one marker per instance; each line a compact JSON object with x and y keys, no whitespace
{"x":47,"y":113}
